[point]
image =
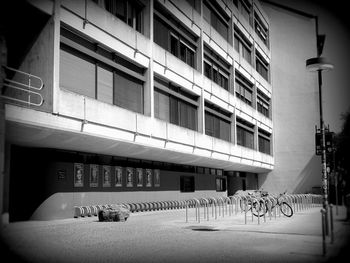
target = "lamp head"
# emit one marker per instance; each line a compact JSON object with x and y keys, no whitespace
{"x":318,"y":63}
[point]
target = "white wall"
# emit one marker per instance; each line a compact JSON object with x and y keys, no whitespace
{"x":295,"y":103}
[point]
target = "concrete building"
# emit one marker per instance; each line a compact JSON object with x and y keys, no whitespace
{"x":137,"y":101}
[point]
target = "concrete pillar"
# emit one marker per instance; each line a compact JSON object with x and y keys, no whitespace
{"x":149,"y":83}
{"x":56,"y":55}
{"x":200,"y":68}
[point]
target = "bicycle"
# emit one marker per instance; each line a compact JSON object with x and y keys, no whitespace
{"x":284,"y":207}
{"x":260,"y":205}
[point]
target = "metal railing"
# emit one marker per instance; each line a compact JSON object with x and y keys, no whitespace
{"x":22,"y":82}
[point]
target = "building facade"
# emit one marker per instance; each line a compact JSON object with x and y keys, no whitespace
{"x":135,"y":101}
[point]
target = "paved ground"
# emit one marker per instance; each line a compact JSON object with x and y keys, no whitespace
{"x":164,"y":236}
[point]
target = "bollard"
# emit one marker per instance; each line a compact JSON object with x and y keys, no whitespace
{"x":331,"y":215}
{"x":323,"y":212}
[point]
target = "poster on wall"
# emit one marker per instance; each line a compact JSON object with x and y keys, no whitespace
{"x":118,"y":175}
{"x":139,"y":177}
{"x":93,"y":175}
{"x":148,"y":178}
{"x":129,"y":177}
{"x":157,"y":178}
{"x":106,"y":171}
{"x":78,"y":175}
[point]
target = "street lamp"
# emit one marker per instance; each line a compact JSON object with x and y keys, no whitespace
{"x":319,"y":64}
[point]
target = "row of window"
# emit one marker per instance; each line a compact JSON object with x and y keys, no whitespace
{"x":174,"y":37}
{"x":93,"y":71}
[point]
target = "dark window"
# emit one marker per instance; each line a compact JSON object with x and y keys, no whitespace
{"x":245,"y":8}
{"x":217,"y":123}
{"x":244,"y":89}
{"x":261,"y":29}
{"x":176,"y":107}
{"x":262,"y":67}
{"x":216,"y":69}
{"x":242,"y":45}
{"x":263,"y":104}
{"x":187,"y":183}
{"x":245,"y":134}
{"x":172,"y":36}
{"x":216,"y":18}
{"x":196,"y":5}
{"x":128,"y":92}
{"x":162,"y":33}
{"x":220,"y":184}
{"x":264,"y":142}
{"x":95,"y":72}
{"x":129,"y":11}
{"x":77,"y":73}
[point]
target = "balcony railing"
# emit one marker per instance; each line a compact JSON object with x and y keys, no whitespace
{"x":22,"y":87}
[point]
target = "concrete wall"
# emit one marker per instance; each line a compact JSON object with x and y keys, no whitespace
{"x":295,"y":103}
{"x":39,"y":62}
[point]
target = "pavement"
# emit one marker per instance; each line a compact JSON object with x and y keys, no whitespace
{"x":165,"y":236}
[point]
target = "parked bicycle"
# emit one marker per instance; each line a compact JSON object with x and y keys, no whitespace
{"x":260,"y":202}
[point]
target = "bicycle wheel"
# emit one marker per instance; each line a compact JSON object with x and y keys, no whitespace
{"x":259,"y":209}
{"x":286,"y":209}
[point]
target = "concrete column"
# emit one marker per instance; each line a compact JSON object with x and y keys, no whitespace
{"x":233,"y":128}
{"x":256,"y":140}
{"x":200,"y":64}
{"x":148,"y":94}
{"x":56,"y":56}
{"x":150,"y":70}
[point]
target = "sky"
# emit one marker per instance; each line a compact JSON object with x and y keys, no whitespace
{"x":332,"y":16}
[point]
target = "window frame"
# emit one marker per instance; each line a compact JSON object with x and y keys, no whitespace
{"x":214,"y":11}
{"x":182,"y":37}
{"x":259,"y":60}
{"x":213,"y":112}
{"x":246,"y":127}
{"x":81,"y":47}
{"x":180,"y":98}
{"x":266,"y":140}
{"x":242,"y":82}
{"x":243,"y":44}
{"x":184,"y":188}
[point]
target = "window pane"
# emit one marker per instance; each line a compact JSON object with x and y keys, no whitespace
{"x":77,"y":74}
{"x":120,"y":9}
{"x":128,"y":92}
{"x":161,"y":106}
{"x":104,"y":85}
{"x":249,"y":139}
{"x":174,"y":111}
{"x":190,"y":57}
{"x":225,"y":131}
{"x":206,"y":13}
{"x":182,"y":52}
{"x":209,"y":124}
{"x":236,"y":43}
{"x":188,"y":115}
{"x":174,"y":45}
{"x":161,"y":33}
{"x":246,"y":54}
{"x":207,"y":70}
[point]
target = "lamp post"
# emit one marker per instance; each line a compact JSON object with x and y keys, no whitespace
{"x":319,"y":64}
